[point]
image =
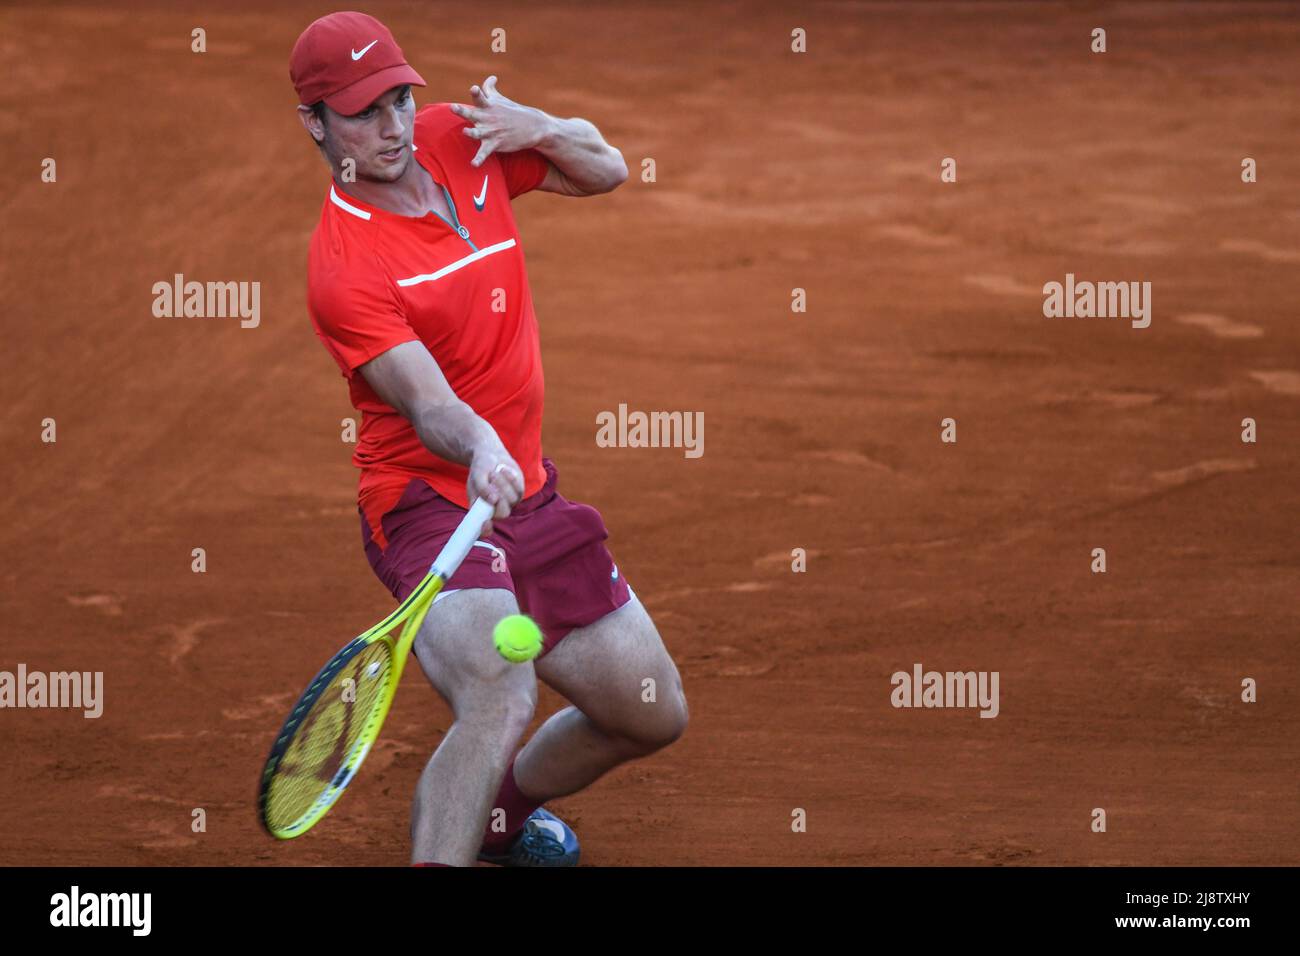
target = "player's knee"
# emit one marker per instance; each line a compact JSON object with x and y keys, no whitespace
{"x":516,"y":710}
{"x":505,"y":703}
{"x":675,"y":718}
{"x":661,"y":723}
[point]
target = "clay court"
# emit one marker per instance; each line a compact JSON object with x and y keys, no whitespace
{"x":775,"y":171}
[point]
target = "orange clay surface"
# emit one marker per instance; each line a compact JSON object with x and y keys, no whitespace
{"x":775,"y":171}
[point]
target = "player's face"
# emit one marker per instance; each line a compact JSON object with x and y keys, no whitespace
{"x":378,"y":138}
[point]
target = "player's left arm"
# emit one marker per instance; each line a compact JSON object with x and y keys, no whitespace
{"x":582,"y":163}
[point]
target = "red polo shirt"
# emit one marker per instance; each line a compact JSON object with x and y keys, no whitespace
{"x":377,"y":279}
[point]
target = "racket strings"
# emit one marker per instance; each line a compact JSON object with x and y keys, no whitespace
{"x":322,"y":751}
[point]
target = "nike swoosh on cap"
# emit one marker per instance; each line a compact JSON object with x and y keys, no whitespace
{"x":364,"y":50}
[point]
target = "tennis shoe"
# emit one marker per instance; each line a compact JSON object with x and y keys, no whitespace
{"x":546,"y":840}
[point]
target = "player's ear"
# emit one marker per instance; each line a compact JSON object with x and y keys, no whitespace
{"x":313,"y":120}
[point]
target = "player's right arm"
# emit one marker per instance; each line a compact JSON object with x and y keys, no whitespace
{"x":362,"y":322}
{"x":408,"y":378}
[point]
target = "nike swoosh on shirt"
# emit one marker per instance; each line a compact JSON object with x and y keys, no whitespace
{"x":364,"y":50}
{"x":481,"y":198}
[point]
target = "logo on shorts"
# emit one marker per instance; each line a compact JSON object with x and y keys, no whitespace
{"x":498,"y":556}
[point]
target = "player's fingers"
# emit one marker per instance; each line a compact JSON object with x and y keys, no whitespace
{"x":517,"y":479}
{"x":473,"y":132}
{"x":482,"y":487}
{"x":484,"y":152}
{"x":480,"y":95}
{"x":511,"y":483}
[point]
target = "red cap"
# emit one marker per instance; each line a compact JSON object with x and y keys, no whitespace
{"x":348,"y":60}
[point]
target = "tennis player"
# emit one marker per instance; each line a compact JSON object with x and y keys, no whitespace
{"x":417,"y":288}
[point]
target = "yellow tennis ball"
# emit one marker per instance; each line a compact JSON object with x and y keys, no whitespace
{"x":517,"y":638}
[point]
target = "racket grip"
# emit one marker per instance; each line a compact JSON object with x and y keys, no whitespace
{"x":462,"y":539}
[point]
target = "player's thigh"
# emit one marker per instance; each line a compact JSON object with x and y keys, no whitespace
{"x":455,"y":650}
{"x":618,"y":672}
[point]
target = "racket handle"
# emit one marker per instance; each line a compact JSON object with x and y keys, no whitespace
{"x":462,"y":539}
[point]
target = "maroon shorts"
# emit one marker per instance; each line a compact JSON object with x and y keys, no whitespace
{"x":550,"y":553}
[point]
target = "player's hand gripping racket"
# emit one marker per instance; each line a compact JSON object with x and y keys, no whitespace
{"x":330,"y":730}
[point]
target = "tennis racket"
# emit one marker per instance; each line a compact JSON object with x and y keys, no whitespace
{"x":332,"y":727}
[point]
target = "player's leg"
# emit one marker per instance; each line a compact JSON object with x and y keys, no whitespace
{"x":628,"y":703}
{"x":604,"y":653}
{"x":492,"y":702}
